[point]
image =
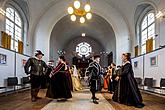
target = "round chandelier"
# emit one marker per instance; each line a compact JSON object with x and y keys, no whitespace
{"x":80,"y":11}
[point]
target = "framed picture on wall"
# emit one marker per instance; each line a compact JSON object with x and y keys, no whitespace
{"x":3,"y":59}
{"x":153,"y":61}
{"x":135,"y":64}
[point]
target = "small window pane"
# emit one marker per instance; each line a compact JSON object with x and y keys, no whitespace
{"x":151,"y":18}
{"x":143,"y":49}
{"x":16,"y":45}
{"x":12,"y":44}
{"x":17,"y":19}
{"x":10,"y":13}
{"x":18,"y":33}
{"x":144,"y":23}
{"x":144,"y":37}
{"x":151,"y":31}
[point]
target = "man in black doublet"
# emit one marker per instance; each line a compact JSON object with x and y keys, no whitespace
{"x":94,"y":70}
{"x":37,"y":73}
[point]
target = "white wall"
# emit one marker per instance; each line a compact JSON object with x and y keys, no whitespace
{"x":156,"y":72}
{"x":7,"y":70}
{"x":19,"y":66}
{"x":138,"y":72}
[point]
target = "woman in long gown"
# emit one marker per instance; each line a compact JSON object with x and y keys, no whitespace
{"x":127,"y":91}
{"x":59,"y":85}
{"x":76,"y":80}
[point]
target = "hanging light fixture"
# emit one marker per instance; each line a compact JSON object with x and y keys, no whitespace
{"x":77,"y":4}
{"x":88,"y":16}
{"x":70,"y":10}
{"x":80,"y":11}
{"x":82,"y":20}
{"x":73,"y":17}
{"x":87,"y":8}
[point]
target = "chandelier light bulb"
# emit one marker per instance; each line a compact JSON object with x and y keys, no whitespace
{"x":73,"y":17}
{"x":88,"y":16}
{"x":70,"y":10}
{"x":82,"y":20}
{"x":87,"y":8}
{"x":77,"y":4}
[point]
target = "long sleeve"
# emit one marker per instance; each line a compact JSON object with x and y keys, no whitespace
{"x":126,"y":69}
{"x":45,"y":67}
{"x":27,"y":65}
{"x":57,"y":68}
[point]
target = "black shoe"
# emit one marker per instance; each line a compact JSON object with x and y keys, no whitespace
{"x":33,"y":99}
{"x":95,"y":102}
{"x":95,"y":98}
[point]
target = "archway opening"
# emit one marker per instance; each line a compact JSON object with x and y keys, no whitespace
{"x":66,"y":35}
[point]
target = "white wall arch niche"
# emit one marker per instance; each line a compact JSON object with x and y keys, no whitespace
{"x":67,"y":34}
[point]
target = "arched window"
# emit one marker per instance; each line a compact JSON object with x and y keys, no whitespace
{"x":147,"y":30}
{"x":83,"y":49}
{"x":14,"y":27}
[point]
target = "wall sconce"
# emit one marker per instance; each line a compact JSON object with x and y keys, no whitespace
{"x":61,"y":52}
{"x":2,"y":11}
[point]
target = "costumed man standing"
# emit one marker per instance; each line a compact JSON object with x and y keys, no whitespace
{"x":37,"y":71}
{"x":94,"y":70}
{"x":112,"y":81}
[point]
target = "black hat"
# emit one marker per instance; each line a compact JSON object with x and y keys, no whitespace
{"x":96,"y":56}
{"x":38,"y":52}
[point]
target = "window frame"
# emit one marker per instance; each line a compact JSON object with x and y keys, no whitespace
{"x":15,"y":25}
{"x":89,"y":49}
{"x":146,"y":28}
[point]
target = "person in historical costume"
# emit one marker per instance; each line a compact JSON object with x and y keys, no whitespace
{"x":49,"y":70}
{"x":59,"y":86}
{"x":117,"y":89}
{"x":37,"y":73}
{"x":112,"y":81}
{"x":127,"y":91}
{"x":76,"y":79}
{"x":107,"y":77}
{"x":94,"y":70}
{"x":68,"y":74}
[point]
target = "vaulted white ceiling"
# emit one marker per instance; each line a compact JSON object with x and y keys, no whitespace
{"x":119,"y":14}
